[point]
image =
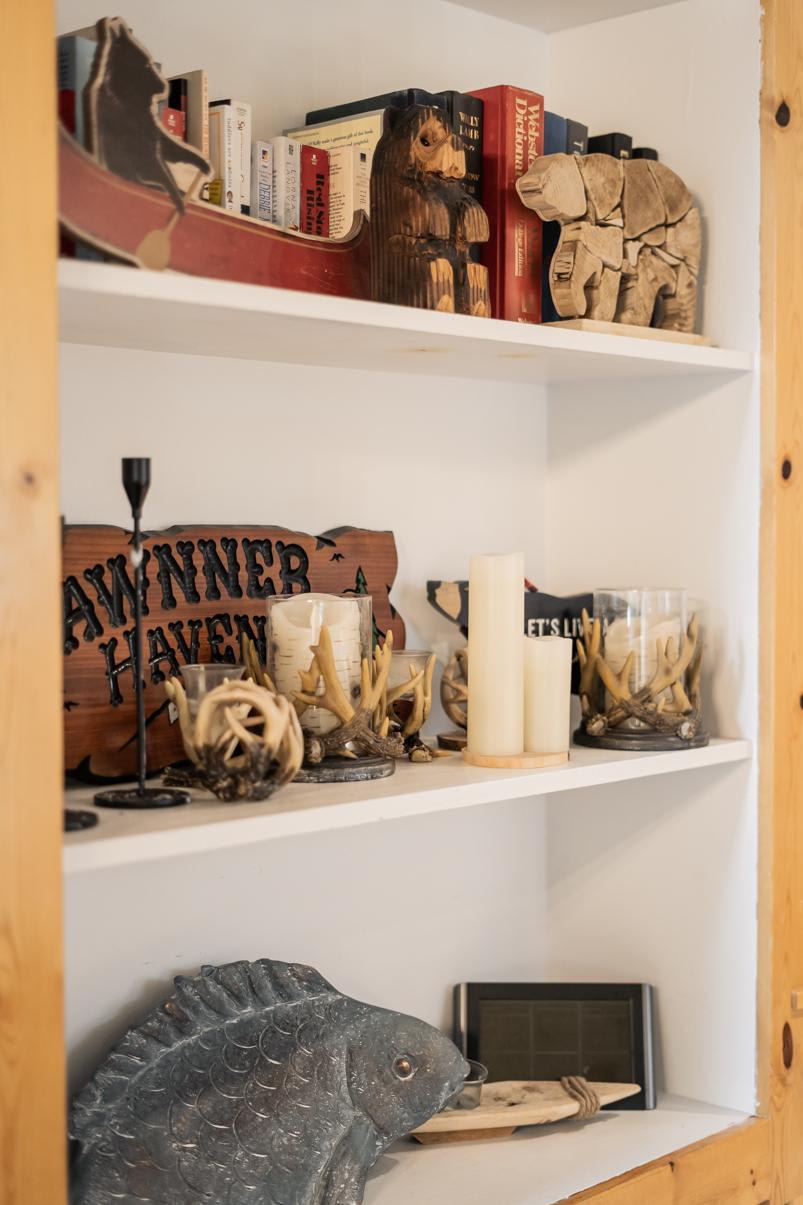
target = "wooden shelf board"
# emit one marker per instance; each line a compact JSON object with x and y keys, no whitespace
{"x":552,"y":15}
{"x":116,"y":306}
{"x":414,"y":790}
{"x":542,"y":1164}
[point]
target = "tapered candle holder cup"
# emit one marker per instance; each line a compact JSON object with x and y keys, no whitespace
{"x":136,"y":482}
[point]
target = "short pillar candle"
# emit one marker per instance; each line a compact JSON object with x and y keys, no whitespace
{"x":496,"y":655}
{"x":547,"y":694}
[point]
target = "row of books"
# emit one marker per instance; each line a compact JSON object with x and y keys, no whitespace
{"x":315,"y":177}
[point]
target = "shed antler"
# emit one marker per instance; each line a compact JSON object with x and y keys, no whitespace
{"x":356,"y":723}
{"x":245,"y":742}
{"x":677,"y":671}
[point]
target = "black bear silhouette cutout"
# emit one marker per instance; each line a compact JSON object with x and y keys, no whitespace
{"x":124,"y":130}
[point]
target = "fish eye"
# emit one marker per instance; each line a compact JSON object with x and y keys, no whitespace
{"x":404,"y":1067}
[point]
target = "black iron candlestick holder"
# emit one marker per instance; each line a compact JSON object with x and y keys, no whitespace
{"x":136,"y":482}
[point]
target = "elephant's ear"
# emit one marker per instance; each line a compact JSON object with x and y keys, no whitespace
{"x":603,"y":176}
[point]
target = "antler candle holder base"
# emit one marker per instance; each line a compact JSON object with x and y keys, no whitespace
{"x":660,"y":712}
{"x":639,"y":742}
{"x":339,"y":769}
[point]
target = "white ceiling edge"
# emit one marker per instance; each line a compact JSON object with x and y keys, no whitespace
{"x":550,"y":16}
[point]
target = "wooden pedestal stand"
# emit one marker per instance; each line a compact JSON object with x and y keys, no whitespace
{"x":515,"y":761}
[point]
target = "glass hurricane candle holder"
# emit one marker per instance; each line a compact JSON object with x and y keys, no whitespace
{"x":405,"y":663}
{"x":640,"y":660}
{"x":200,"y":679}
{"x":294,"y":627}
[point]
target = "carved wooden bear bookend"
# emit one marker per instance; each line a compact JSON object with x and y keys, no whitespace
{"x":630,"y":239}
{"x":423,"y":222}
{"x":124,"y":130}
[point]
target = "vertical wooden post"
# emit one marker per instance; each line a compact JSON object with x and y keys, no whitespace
{"x":32,"y":1135}
{"x":781,"y":954}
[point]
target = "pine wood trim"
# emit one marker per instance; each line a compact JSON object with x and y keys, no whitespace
{"x":731,"y":1169}
{"x":781,"y":917}
{"x":32,"y":1141}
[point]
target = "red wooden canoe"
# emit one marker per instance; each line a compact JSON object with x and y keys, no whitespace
{"x":120,"y":217}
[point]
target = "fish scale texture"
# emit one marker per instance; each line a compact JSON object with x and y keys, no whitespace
{"x":255,"y":1084}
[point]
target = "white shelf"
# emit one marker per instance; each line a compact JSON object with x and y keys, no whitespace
{"x":543,"y":1164}
{"x":552,"y":15}
{"x":445,"y":784}
{"x":114,"y":306}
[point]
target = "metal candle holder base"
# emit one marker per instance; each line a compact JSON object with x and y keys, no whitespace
{"x":136,"y":797}
{"x":639,"y":741}
{"x":341,"y":769}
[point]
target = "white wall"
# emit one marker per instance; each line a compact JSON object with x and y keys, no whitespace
{"x":394,"y":914}
{"x":642,"y":481}
{"x":287,"y":60}
{"x":659,"y":484}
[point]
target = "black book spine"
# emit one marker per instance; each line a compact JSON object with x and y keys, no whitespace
{"x":618,"y":145}
{"x":402,"y":99}
{"x":177,"y":95}
{"x":645,"y":152}
{"x":576,"y":137}
{"x":466,"y":116}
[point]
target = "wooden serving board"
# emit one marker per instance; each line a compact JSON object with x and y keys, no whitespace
{"x":634,"y":332}
{"x":512,"y":1103}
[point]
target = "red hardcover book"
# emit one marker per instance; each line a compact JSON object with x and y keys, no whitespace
{"x":314,"y":199}
{"x":174,"y":121}
{"x":513,"y":135}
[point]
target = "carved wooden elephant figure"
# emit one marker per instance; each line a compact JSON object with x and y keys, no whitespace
{"x":630,"y":240}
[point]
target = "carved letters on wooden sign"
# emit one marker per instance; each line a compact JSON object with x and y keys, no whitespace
{"x":204,"y":587}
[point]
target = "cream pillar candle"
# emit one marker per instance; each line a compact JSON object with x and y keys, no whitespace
{"x":547,"y":694}
{"x":295,"y":625}
{"x":496,"y":655}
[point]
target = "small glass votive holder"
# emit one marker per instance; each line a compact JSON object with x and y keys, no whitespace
{"x":200,"y":679}
{"x":295,"y":622}
{"x":404,"y":664}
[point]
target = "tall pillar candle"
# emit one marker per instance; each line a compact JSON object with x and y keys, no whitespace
{"x":496,"y":655}
{"x":547,"y":694}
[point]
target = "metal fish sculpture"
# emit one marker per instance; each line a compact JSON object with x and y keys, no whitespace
{"x":257,"y":1083}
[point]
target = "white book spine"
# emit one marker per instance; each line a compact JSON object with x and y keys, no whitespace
{"x":286,"y":181}
{"x":262,"y":181}
{"x":224,"y":139}
{"x":243,"y":117}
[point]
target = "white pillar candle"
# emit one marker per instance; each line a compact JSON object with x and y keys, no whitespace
{"x":547,"y":694}
{"x":496,"y":655}
{"x":295,"y":627}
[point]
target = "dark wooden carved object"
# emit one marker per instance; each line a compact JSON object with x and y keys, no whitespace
{"x":123,"y":127}
{"x":423,"y":221}
{"x":204,"y":589}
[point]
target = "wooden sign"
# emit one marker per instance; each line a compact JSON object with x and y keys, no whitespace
{"x":204,"y":587}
